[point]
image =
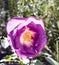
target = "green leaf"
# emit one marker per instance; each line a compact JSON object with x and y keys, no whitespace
{"x":51,"y":61}
{"x":38,"y":62}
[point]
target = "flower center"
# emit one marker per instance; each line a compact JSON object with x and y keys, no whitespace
{"x":26,"y":37}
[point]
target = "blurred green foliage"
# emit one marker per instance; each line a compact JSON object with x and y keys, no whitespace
{"x":48,"y":10}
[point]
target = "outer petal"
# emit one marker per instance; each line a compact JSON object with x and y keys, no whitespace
{"x":13,"y":23}
{"x":35,"y":20}
{"x":31,"y":19}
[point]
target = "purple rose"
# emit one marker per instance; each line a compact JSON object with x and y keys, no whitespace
{"x":26,"y":36}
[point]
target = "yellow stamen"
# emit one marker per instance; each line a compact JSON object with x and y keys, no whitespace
{"x":26,"y":37}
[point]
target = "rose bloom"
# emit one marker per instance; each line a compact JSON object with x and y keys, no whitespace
{"x":26,"y":36}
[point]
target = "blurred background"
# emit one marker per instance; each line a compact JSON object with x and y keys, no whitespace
{"x":48,"y":10}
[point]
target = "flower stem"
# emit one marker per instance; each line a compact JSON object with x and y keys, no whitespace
{"x":30,"y":62}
